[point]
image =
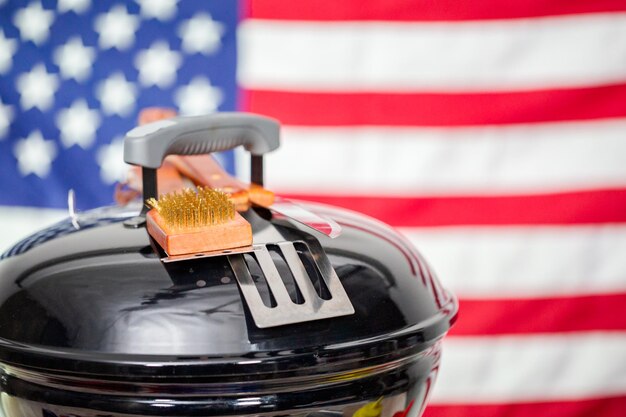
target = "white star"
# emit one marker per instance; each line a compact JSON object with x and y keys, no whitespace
{"x":78,"y":6}
{"x":37,"y":88}
{"x":78,"y":124}
{"x":74,"y":59}
{"x":6,"y":117}
{"x":35,"y":155}
{"x":117,"y":95}
{"x":201,"y":34}
{"x":157,"y":65}
{"x":7,"y":50}
{"x":34,"y":23}
{"x":111,"y":161}
{"x":158,"y":9}
{"x":116,"y":28}
{"x":198,"y":97}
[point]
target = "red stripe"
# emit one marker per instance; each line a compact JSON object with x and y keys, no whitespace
{"x":583,"y":207}
{"x":424,"y":10}
{"x":545,"y":315}
{"x":437,"y":109}
{"x":600,"y":407}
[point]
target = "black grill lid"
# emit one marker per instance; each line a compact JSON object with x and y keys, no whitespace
{"x":99,"y":300}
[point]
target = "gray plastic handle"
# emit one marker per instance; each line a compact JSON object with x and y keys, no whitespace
{"x":149,"y":144}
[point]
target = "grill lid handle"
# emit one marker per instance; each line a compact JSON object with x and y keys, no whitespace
{"x":149,"y":144}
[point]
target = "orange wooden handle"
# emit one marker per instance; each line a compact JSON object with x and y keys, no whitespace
{"x":205,"y":170}
{"x":154,"y":114}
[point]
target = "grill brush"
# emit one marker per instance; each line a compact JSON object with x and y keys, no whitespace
{"x":200,"y":221}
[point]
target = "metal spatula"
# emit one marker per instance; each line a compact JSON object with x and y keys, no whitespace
{"x":328,"y":300}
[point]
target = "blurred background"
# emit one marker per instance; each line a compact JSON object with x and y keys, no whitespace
{"x":492,"y":134}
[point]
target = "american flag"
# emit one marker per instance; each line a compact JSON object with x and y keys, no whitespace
{"x":491,"y":133}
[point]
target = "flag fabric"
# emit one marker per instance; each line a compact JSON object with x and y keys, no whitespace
{"x":492,"y":134}
{"x":75,"y":74}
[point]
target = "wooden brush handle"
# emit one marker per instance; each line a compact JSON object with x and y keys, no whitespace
{"x":206,"y":171}
{"x":154,"y":114}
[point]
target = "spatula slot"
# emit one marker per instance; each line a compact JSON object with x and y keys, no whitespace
{"x":285,"y":274}
{"x":259,"y":280}
{"x":304,"y":253}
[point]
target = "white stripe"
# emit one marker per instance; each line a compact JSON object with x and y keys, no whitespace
{"x":17,"y":223}
{"x":483,"y":262}
{"x":397,"y":56}
{"x":531,"y":368}
{"x":478,"y":160}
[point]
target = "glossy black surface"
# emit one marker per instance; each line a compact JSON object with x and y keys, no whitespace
{"x":99,"y":300}
{"x":406,"y":384}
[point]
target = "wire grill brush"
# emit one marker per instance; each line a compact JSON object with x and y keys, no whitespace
{"x":194,"y":222}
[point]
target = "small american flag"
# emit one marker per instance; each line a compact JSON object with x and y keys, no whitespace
{"x":493,"y":134}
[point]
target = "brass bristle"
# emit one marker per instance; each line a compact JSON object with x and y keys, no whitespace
{"x":189,"y":209}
